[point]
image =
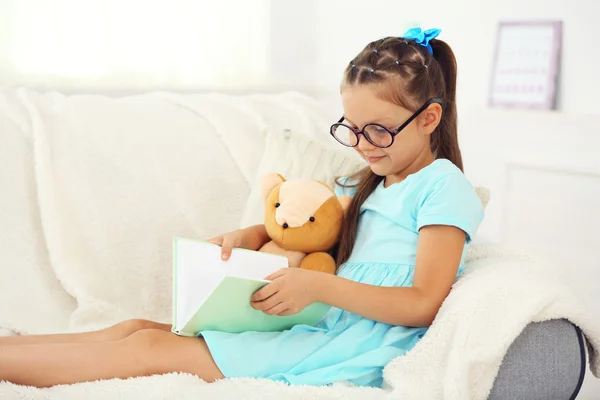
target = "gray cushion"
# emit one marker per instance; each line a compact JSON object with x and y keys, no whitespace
{"x":546,"y":361}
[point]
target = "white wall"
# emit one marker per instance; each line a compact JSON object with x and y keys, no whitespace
{"x":124,"y":46}
{"x":342,"y":28}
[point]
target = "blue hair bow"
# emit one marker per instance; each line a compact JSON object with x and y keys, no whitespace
{"x":422,"y":37}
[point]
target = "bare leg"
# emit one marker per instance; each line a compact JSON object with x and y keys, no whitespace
{"x":116,"y":332}
{"x":143,"y":353}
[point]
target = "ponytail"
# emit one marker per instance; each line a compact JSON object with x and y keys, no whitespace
{"x":367,"y":183}
{"x":444,"y":142}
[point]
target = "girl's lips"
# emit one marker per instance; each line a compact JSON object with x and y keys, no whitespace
{"x":372,"y":160}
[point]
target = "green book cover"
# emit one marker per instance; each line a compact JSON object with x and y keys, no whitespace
{"x":212,"y":294}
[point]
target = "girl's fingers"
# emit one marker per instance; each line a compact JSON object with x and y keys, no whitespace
{"x":286,"y":312}
{"x":228,"y":244}
{"x":266,"y":304}
{"x":276,"y":274}
{"x":225,"y":244}
{"x":267,"y":291}
{"x":216,"y":240}
{"x":279,"y":309}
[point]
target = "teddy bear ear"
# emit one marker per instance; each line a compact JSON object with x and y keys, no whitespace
{"x":345,"y":201}
{"x":269,"y":182}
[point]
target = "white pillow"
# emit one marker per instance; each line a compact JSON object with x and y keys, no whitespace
{"x":295,"y":155}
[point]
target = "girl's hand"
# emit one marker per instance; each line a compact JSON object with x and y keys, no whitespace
{"x":251,"y":238}
{"x":291,"y":290}
{"x":228,"y":241}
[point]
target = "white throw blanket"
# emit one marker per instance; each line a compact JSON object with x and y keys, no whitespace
{"x":458,"y":358}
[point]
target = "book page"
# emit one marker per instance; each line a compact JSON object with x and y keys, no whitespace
{"x":253,"y":264}
{"x":198,"y":268}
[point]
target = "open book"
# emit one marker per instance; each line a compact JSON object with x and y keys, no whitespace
{"x":212,"y":294}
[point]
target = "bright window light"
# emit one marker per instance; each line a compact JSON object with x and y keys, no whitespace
{"x":138,"y":44}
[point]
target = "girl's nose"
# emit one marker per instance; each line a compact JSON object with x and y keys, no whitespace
{"x":364,"y":144}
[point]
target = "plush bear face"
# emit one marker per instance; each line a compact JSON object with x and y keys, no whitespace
{"x":303,"y":215}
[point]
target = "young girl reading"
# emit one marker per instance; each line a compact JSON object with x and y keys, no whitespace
{"x":412,"y":216}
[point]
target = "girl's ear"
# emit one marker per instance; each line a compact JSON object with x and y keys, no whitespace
{"x":431,"y":118}
{"x":345,"y":201}
{"x":269,"y":182}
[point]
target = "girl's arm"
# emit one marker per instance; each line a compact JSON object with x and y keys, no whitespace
{"x":255,"y":237}
{"x":439,"y":253}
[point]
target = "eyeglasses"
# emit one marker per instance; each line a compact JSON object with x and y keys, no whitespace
{"x":376,"y":134}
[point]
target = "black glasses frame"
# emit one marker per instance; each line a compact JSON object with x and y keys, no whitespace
{"x":393,"y":133}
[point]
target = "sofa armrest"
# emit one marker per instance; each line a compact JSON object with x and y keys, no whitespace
{"x":546,"y":361}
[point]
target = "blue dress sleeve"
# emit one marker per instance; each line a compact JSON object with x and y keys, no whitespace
{"x":451,"y":200}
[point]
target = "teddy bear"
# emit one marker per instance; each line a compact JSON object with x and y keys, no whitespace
{"x":303,"y":218}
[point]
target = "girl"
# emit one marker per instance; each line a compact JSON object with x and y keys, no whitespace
{"x":412,"y":216}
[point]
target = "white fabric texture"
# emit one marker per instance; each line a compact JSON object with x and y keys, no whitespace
{"x":188,"y":387}
{"x":295,"y":155}
{"x":272,"y":114}
{"x":499,"y":293}
{"x":6,"y":332}
{"x":31,"y":298}
{"x":116,"y":180}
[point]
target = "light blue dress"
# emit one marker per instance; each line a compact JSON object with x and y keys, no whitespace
{"x":345,"y":346}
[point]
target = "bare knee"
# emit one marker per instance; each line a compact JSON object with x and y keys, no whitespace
{"x":158,"y":352}
{"x":130,"y":326}
{"x":147,"y":338}
{"x":146,"y":345}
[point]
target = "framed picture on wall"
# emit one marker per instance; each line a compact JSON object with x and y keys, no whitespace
{"x":526,"y":65}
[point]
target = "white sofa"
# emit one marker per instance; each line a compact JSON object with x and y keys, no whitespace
{"x":93,"y":188}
